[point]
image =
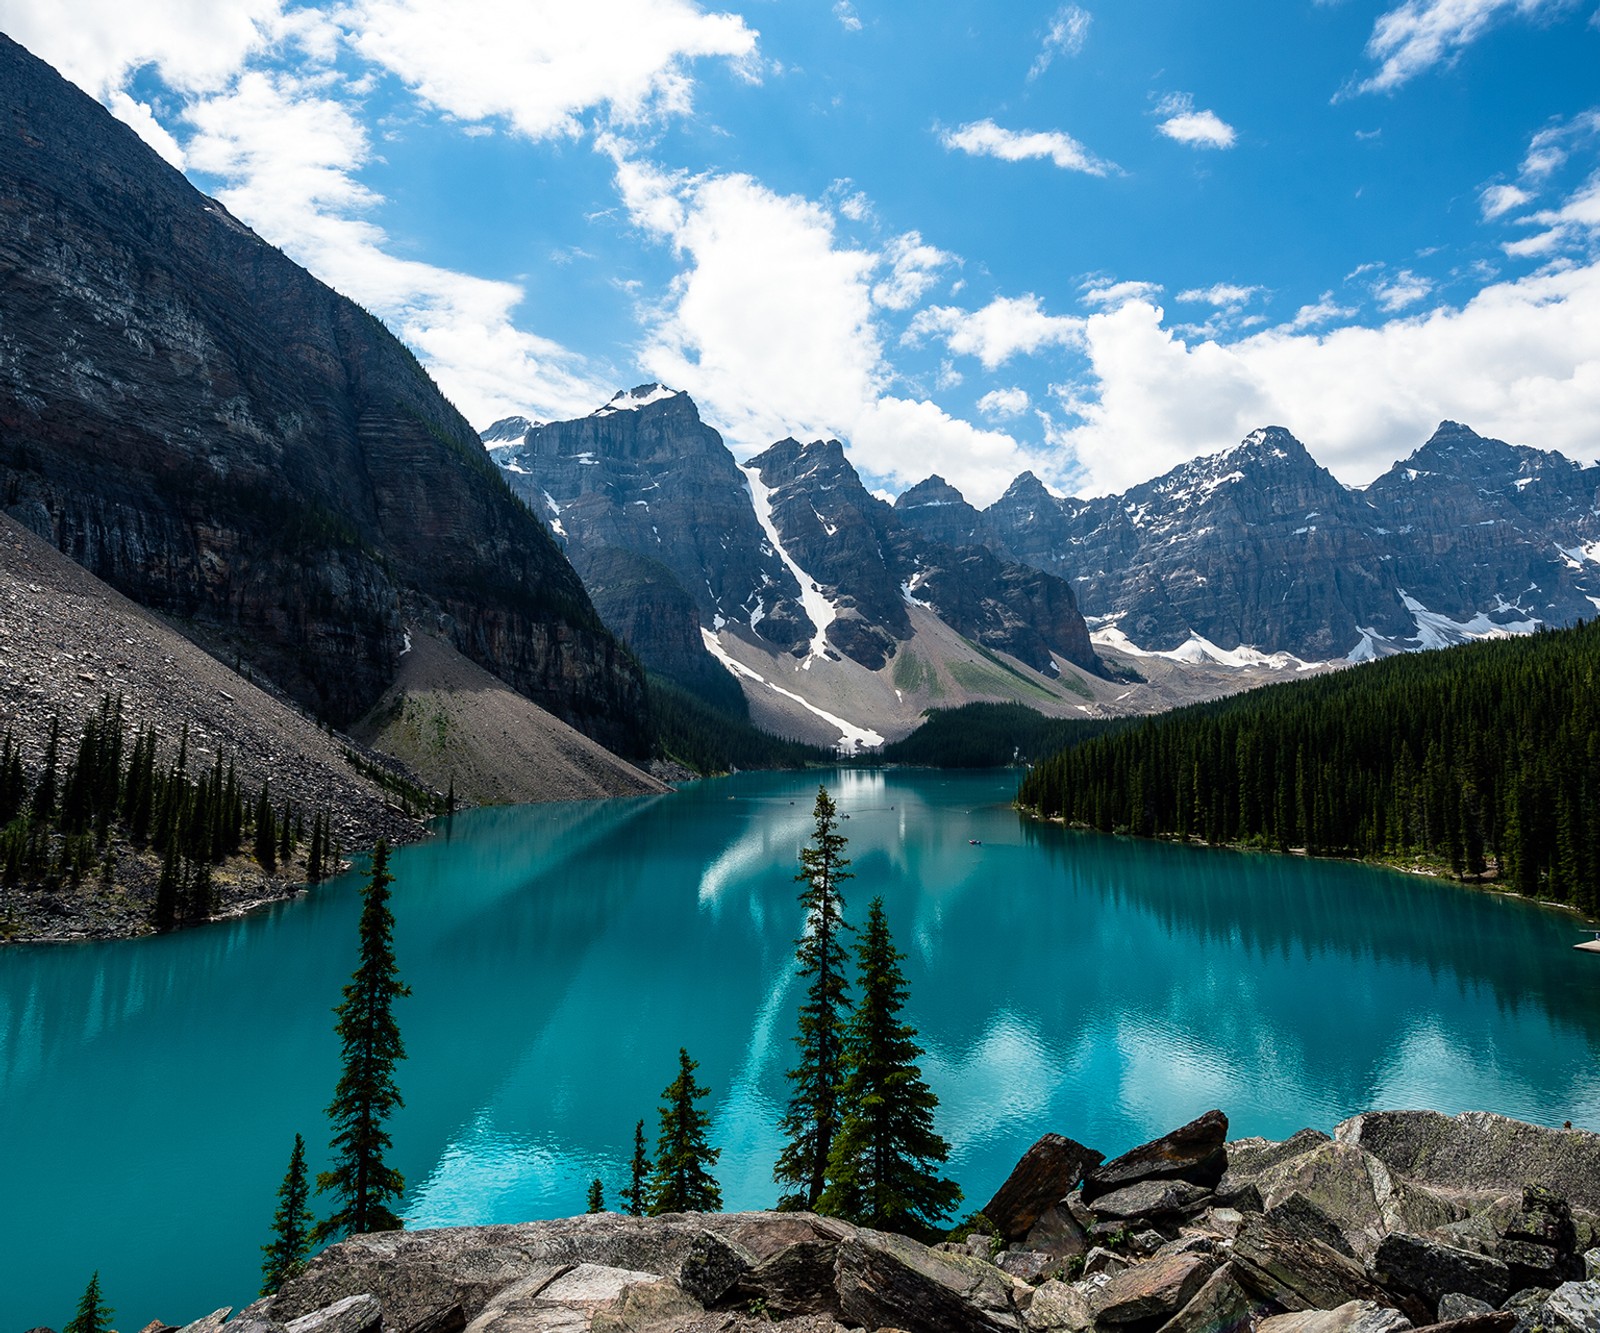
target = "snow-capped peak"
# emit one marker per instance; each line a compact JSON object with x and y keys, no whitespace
{"x":506,"y":431}
{"x":631,"y":400}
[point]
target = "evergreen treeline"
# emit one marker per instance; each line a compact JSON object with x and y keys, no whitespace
{"x":989,"y":736}
{"x":709,"y":740}
{"x":112,"y":788}
{"x":1477,"y":757}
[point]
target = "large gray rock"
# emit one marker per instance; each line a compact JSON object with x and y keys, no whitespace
{"x":1133,"y":1204}
{"x":1479,"y":1150}
{"x":1351,"y":1317}
{"x":1430,"y":1270}
{"x":1194,"y":1152}
{"x":888,"y":1281}
{"x":1151,"y":1291}
{"x":1300,"y":1273}
{"x":209,"y":1323}
{"x":588,"y":1297}
{"x":1048,"y":1172}
{"x":1577,"y":1305}
{"x":1057,"y":1232}
{"x":1058,"y":1307}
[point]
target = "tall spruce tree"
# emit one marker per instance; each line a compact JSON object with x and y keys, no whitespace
{"x":812,"y":1119}
{"x":682,"y":1183}
{"x":636,"y":1198}
{"x":883,"y":1172}
{"x":291,"y":1225}
{"x":94,"y":1315}
{"x":366,"y":1093}
{"x":596,"y":1202}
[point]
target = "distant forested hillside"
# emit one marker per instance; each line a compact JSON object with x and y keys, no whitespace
{"x":708,"y":739}
{"x":1484,"y":758}
{"x":988,"y":736}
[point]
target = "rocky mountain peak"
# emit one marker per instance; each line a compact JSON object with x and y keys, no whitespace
{"x":507,"y":430}
{"x":930,"y":493}
{"x":645,"y":395}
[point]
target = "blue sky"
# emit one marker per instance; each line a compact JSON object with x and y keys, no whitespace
{"x":1089,"y":239}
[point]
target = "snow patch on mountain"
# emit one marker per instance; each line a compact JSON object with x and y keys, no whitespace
{"x":631,"y":400}
{"x":817,"y":605}
{"x":852,"y":739}
{"x":1197,"y":650}
{"x":1435,"y":630}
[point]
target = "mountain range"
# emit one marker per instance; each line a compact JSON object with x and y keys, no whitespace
{"x":1255,"y":559}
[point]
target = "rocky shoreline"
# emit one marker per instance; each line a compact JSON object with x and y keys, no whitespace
{"x":1398,"y":1220}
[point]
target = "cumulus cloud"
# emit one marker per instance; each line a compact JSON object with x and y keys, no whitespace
{"x":1498,"y":200}
{"x":771,"y":325}
{"x":914,"y":267}
{"x":1104,"y":292}
{"x":1068,"y":31}
{"x":999,"y":404}
{"x":1223,"y":295}
{"x":288,"y":157}
{"x":541,"y":63}
{"x":1419,"y":34}
{"x":1325,"y":310}
{"x":983,"y":138}
{"x":1403,"y":289}
{"x":845,"y":12}
{"x":1521,"y":361}
{"x":1198,"y":129}
{"x":1008,"y":326}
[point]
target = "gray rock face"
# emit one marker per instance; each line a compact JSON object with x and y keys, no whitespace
{"x":353,"y":1314}
{"x":1045,"y":1175}
{"x":1351,"y":1317}
{"x":886,"y":1281}
{"x":1150,"y":1199}
{"x":1299,"y":1273}
{"x":1153,"y":1291}
{"x":233,"y":444}
{"x":1220,"y":1306}
{"x":1576,"y":1305}
{"x":1479,"y":1150}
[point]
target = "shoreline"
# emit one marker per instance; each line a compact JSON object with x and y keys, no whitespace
{"x":1478,"y":884}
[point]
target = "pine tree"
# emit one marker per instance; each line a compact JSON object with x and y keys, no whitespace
{"x":94,"y":1315}
{"x":314,"y":855}
{"x":366,"y":1093}
{"x":682,"y":1183}
{"x":266,"y":844}
{"x":44,"y":795}
{"x":291,"y":1225}
{"x":636,"y":1197}
{"x":882,"y":1172}
{"x":165,"y":915}
{"x":813,"y":1115}
{"x":597,"y":1197}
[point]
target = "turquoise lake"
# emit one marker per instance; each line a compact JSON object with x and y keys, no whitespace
{"x":558,"y":957}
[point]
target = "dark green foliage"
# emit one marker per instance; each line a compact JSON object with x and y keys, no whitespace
{"x":44,"y":795}
{"x":882,"y":1172}
{"x":291,"y":1225}
{"x":711,"y":740}
{"x":366,"y":1094}
{"x":596,"y":1202}
{"x":636,"y":1198}
{"x":94,"y":1315}
{"x":988,"y":736}
{"x":413,"y":799}
{"x":1485,"y":756}
{"x":317,"y":852}
{"x":682,"y":1182}
{"x":813,"y":1115}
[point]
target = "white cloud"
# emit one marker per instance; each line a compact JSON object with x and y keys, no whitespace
{"x":771,"y":326}
{"x":1103,"y":292}
{"x":998,"y":404}
{"x":541,"y":63}
{"x":1521,"y":361}
{"x":288,"y":157}
{"x":195,"y":45}
{"x":141,"y":119}
{"x":983,"y":138}
{"x":1198,"y":129}
{"x":1405,"y":288}
{"x":1068,"y":31}
{"x":1419,"y":34}
{"x":845,"y":12}
{"x":1322,"y":311}
{"x":999,"y":331}
{"x":914,"y":267}
{"x":1223,"y":295}
{"x":1498,"y":200}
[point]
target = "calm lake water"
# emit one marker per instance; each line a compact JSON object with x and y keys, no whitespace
{"x":559,"y":956}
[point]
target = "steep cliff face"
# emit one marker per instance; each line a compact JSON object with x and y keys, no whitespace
{"x":1480,"y":526}
{"x":201,"y":423}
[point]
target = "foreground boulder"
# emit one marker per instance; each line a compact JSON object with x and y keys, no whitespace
{"x":1195,"y":1153}
{"x":1047,"y":1173}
